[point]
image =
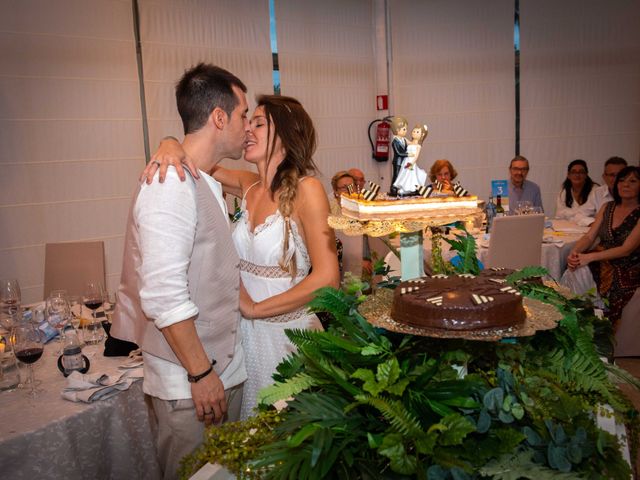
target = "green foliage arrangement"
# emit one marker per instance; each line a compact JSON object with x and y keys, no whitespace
{"x":365,"y":403}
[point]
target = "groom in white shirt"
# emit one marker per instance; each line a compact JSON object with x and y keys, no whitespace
{"x":178,"y":296}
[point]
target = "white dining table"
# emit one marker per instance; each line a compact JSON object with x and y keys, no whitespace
{"x":51,"y":438}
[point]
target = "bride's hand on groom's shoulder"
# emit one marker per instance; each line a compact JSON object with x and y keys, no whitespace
{"x":170,"y":152}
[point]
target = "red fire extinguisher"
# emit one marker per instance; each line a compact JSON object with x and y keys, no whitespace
{"x":380,"y":152}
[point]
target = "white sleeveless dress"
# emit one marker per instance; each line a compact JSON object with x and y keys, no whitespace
{"x":263,"y":340}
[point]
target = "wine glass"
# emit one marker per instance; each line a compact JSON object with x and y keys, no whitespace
{"x":109,"y":304}
{"x":524,"y":207}
{"x":9,"y":296}
{"x":27,"y":345}
{"x":93,"y":298}
{"x":75,"y":305}
{"x":58,"y":314}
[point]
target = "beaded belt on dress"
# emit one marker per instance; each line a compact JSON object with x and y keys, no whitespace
{"x":268,"y":271}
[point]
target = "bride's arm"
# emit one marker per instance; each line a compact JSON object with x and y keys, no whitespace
{"x":171,"y":152}
{"x":312,"y":209}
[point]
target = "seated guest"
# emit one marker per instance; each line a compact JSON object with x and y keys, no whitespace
{"x":521,"y":189}
{"x":354,"y":253}
{"x":602,"y":194}
{"x":340,"y":184}
{"x":576,"y":189}
{"x":358,"y":178}
{"x":615,"y":263}
{"x":442,"y":171}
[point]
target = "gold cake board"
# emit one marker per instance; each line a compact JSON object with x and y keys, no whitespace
{"x":376,"y":309}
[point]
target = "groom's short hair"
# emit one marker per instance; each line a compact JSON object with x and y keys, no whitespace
{"x":203,"y":88}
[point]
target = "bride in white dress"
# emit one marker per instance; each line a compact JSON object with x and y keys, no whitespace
{"x":281,"y":234}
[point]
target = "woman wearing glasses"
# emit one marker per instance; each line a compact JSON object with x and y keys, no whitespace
{"x":577,"y":188}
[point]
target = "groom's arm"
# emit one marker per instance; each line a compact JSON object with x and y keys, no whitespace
{"x":166,"y":218}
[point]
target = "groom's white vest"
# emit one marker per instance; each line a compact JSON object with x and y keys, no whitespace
{"x":214,"y":281}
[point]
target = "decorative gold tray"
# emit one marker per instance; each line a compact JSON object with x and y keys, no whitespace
{"x":378,"y":228}
{"x":540,"y":316}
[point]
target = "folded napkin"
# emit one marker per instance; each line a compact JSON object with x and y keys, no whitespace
{"x":91,"y":387}
{"x":134,"y":361}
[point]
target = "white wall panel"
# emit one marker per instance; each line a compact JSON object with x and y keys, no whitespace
{"x":327,"y":62}
{"x":580,"y":84}
{"x":177,"y":35}
{"x":71,"y":130}
{"x":453,"y":69}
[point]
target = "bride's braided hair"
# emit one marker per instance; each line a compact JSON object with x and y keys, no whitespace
{"x":297,"y":134}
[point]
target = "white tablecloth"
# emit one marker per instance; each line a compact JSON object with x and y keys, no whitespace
{"x":52,"y":438}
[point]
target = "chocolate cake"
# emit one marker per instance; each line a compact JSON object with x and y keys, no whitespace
{"x":458,"y":302}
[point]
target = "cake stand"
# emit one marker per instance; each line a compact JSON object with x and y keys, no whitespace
{"x":411,"y":235}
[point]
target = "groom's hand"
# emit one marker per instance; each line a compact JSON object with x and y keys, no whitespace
{"x":209,"y":399}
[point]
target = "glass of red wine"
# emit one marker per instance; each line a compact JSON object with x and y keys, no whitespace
{"x":93,"y":298}
{"x":28,"y":348}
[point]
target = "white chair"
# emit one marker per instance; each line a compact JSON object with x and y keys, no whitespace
{"x":516,"y":241}
{"x":69,"y":266}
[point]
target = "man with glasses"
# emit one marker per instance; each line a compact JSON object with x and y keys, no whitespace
{"x":358,"y":178}
{"x":521,"y":189}
{"x":602,"y":194}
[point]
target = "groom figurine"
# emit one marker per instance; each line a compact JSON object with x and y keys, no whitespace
{"x":399,"y":147}
{"x":178,"y":295}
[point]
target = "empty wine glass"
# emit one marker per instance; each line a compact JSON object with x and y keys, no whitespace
{"x":75,"y":305}
{"x":27,"y":346}
{"x":58,"y":314}
{"x":109,"y":304}
{"x":9,"y":296}
{"x":524,"y":207}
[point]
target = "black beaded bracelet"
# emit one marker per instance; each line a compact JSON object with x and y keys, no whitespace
{"x":197,"y":378}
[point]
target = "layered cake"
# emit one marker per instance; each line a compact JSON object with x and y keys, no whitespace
{"x":389,"y":208}
{"x":458,"y":302}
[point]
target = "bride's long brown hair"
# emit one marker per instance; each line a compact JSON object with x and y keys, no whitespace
{"x":292,"y":124}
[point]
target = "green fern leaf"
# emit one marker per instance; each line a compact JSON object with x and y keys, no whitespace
{"x":395,"y":413}
{"x":287,"y":389}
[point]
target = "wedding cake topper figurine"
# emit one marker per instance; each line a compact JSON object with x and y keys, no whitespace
{"x":399,"y":146}
{"x":411,"y":177}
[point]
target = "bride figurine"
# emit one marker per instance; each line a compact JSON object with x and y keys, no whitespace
{"x":411,"y":176}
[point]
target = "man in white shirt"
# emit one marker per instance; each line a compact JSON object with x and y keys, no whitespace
{"x":585,"y":215}
{"x":179,"y":291}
